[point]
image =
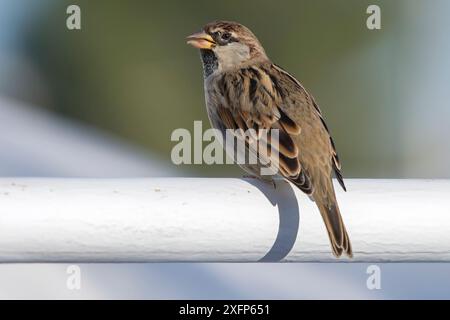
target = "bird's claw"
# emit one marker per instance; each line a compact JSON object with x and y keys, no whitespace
{"x":271,"y":181}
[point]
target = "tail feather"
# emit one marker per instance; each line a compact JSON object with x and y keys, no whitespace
{"x":340,"y":241}
{"x":325,"y":199}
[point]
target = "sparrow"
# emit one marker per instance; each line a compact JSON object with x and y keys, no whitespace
{"x":245,"y":90}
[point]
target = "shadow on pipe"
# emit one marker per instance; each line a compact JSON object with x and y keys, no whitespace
{"x":283,"y":196}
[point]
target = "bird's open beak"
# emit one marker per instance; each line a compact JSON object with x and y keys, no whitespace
{"x":201,"y":40}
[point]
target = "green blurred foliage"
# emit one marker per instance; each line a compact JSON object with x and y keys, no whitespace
{"x":130,"y":71}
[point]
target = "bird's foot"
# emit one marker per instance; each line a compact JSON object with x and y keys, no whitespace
{"x":269,"y":181}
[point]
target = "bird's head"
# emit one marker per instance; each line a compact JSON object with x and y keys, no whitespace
{"x":227,"y":44}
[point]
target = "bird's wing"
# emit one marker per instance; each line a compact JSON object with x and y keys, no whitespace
{"x":267,"y":97}
{"x":299,"y":93}
{"x":249,"y":100}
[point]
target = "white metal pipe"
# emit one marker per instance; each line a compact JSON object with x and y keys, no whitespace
{"x":216,"y":220}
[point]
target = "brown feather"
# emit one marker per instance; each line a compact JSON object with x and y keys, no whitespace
{"x":339,"y":239}
{"x":290,"y":126}
{"x":227,"y":118}
{"x":290,"y":166}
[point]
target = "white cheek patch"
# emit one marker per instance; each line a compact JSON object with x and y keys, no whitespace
{"x":232,"y":55}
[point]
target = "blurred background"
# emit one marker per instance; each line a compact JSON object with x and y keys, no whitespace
{"x":103,"y":101}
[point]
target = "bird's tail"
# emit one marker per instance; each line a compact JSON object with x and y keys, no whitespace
{"x":340,"y":242}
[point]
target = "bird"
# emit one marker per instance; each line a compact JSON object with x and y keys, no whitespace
{"x":245,"y":90}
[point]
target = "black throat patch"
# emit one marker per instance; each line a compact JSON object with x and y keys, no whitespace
{"x":210,"y":62}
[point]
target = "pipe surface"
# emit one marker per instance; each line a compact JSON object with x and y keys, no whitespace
{"x":217,"y":220}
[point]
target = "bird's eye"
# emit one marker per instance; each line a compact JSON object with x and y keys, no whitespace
{"x":217,"y":34}
{"x":226,"y":36}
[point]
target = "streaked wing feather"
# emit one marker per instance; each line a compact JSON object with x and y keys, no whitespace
{"x":336,"y":165}
{"x":257,"y":104}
